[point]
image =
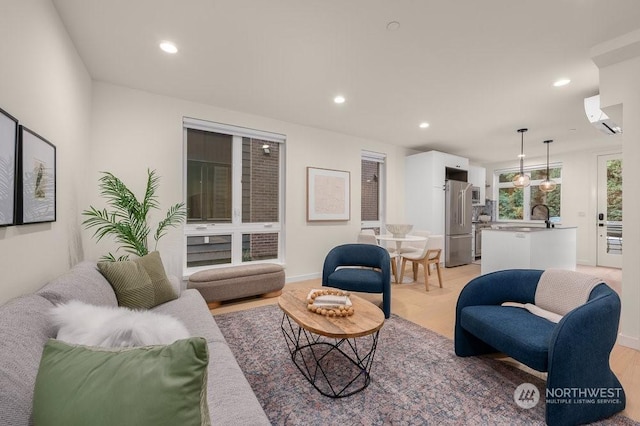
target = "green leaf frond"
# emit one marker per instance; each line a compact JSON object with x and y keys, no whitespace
{"x":150,"y":199}
{"x":118,"y":196}
{"x":111,"y":258}
{"x":175,"y":216}
{"x":126,"y":219}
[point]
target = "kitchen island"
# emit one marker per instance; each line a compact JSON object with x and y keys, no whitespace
{"x":528,"y":248}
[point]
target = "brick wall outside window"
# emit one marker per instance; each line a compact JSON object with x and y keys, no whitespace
{"x":260,"y":196}
{"x":370,"y":187}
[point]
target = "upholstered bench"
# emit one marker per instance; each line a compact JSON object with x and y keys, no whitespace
{"x":235,"y":282}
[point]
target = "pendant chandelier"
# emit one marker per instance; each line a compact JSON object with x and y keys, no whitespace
{"x":521,"y":180}
{"x":547,"y":185}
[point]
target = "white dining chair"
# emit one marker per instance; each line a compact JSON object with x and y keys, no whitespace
{"x":430,"y":255}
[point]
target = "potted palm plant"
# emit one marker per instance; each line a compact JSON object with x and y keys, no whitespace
{"x":127,"y":219}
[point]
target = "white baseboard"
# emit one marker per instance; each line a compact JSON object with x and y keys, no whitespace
{"x":628,"y":341}
{"x":306,"y":277}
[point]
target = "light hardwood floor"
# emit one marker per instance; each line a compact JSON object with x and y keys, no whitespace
{"x":435,"y":310}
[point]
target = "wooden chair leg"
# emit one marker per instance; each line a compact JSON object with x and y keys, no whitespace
{"x":404,"y":262}
{"x":414,"y":265}
{"x":439,"y":276}
{"x":394,"y":269}
{"x":425,"y":266}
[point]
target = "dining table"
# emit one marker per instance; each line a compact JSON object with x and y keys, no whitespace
{"x":399,"y":241}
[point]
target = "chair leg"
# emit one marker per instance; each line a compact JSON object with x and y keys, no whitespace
{"x":394,"y":269}
{"x":404,"y":262}
{"x":386,"y":304}
{"x":439,"y":276}
{"x":415,"y":265}
{"x":425,"y":266}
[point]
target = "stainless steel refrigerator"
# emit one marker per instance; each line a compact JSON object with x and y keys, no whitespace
{"x":457,"y":245}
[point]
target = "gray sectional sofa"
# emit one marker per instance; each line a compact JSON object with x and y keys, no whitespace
{"x":25,"y":328}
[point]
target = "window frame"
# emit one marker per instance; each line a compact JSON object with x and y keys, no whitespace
{"x":236,"y":228}
{"x":526,"y":191}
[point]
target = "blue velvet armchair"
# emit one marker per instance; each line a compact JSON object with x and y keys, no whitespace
{"x":360,"y":267}
{"x":574,"y":352}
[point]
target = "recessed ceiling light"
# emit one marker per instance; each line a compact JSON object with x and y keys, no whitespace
{"x":562,"y":82}
{"x":424,"y":125}
{"x":168,"y":47}
{"x":339,"y":99}
{"x":393,"y":25}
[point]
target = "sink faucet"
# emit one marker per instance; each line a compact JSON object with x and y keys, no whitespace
{"x":546,"y":221}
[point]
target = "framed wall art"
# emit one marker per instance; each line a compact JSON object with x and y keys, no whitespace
{"x":328,"y":195}
{"x":36,"y":179}
{"x":8,"y":146}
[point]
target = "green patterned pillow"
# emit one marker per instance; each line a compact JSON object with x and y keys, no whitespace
{"x":152,"y":385}
{"x":139,"y":284}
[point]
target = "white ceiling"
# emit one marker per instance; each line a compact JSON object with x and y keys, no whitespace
{"x":475,"y":70}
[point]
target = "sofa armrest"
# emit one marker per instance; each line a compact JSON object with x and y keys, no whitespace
{"x":579,"y":354}
{"x":513,"y":285}
{"x":586,"y":335}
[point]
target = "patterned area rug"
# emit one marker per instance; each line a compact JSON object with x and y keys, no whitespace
{"x":416,"y":378}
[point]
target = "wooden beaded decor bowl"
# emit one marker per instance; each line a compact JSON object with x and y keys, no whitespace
{"x":334,"y":311}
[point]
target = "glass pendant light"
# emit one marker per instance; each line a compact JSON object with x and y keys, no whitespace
{"x":521,"y":180}
{"x":547,"y":185}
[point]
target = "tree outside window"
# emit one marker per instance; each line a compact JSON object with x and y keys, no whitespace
{"x":614,"y":190}
{"x":516,"y":203}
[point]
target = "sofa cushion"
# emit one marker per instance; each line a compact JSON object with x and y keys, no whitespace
{"x":24,"y":330}
{"x":152,"y":385}
{"x":231,"y":399}
{"x":139,"y":283}
{"x":83,"y":282}
{"x":524,"y":336}
{"x":192,"y":311}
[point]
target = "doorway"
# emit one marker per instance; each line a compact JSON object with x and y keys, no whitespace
{"x":609,"y":220}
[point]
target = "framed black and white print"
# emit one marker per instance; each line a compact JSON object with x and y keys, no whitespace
{"x":36,"y":179}
{"x":8,"y":146}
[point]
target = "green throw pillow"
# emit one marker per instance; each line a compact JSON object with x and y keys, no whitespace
{"x":152,"y":385}
{"x":140,"y":283}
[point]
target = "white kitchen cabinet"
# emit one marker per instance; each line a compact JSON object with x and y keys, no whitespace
{"x":477,"y":177}
{"x":450,"y":160}
{"x":425,"y":175}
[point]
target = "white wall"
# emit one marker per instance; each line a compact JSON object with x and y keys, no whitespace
{"x":134,"y":130}
{"x":579,"y":184}
{"x":46,"y":86}
{"x":619,"y":64}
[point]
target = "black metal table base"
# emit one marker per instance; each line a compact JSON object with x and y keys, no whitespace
{"x":337,"y":368}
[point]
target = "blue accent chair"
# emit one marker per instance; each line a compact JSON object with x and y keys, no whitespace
{"x":574,"y":352}
{"x":363,"y":267}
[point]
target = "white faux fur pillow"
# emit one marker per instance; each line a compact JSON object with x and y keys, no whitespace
{"x":114,"y":327}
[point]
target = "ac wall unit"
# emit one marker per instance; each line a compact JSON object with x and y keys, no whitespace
{"x":599,"y":119}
